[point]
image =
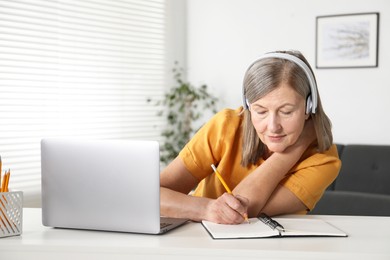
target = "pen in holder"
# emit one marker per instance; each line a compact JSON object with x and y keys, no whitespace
{"x":11,"y":213}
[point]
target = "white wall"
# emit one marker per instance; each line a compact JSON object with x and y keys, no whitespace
{"x":176,"y":40}
{"x":224,"y":36}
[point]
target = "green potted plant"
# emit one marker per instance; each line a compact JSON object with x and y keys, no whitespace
{"x":184,"y":105}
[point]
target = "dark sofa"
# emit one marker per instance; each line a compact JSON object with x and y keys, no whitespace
{"x":363,"y":184}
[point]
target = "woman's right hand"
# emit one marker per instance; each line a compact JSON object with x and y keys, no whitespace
{"x":227,"y":209}
{"x":176,"y":182}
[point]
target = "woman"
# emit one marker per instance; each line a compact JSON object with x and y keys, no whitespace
{"x":275,"y":153}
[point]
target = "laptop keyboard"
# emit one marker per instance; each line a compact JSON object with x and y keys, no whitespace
{"x":165,"y":224}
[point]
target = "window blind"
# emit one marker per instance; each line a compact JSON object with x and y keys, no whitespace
{"x":76,"y":68}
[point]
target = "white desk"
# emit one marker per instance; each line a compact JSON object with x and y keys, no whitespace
{"x":369,"y":238}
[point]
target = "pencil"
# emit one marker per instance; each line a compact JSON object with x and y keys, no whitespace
{"x":221,"y":179}
{"x":8,"y":174}
{"x":219,"y":176}
{"x":1,"y":184}
{"x":3,"y":181}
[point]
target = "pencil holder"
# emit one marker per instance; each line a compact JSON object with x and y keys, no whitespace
{"x":11,"y":213}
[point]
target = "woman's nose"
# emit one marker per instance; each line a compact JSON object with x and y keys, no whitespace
{"x":274,"y":123}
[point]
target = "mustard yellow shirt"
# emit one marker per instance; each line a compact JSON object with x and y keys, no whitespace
{"x":219,"y":142}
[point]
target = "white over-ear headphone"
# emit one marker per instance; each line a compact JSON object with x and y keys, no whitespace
{"x":311,"y":102}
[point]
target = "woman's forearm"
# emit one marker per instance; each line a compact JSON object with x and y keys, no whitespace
{"x":226,"y":209}
{"x":180,"y":205}
{"x":261,"y":183}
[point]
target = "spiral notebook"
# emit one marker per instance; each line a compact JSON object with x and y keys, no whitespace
{"x":277,"y":227}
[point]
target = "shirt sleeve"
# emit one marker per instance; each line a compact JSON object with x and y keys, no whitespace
{"x":211,"y":143}
{"x":309,"y":179}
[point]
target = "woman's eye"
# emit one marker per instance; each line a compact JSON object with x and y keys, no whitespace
{"x":261,"y":112}
{"x":286,"y":112}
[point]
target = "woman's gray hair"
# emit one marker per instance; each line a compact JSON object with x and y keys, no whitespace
{"x":264,"y":76}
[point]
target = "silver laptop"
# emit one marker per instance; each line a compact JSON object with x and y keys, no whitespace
{"x":102,"y":185}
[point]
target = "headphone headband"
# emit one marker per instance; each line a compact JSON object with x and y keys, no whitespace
{"x":313,"y":86}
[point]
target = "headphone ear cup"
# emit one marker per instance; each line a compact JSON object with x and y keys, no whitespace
{"x":309,"y":105}
{"x":247,"y":104}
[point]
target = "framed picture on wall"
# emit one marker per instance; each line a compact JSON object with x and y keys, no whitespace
{"x":347,"y":41}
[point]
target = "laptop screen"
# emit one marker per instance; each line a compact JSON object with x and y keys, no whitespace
{"x":104,"y":185}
